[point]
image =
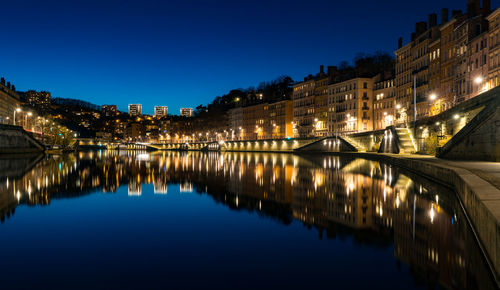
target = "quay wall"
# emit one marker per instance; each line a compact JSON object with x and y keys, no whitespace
{"x":13,"y":140}
{"x":481,"y":200}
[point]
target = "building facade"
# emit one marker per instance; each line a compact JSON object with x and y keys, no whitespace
{"x":303,"y":108}
{"x":235,"y":124}
{"x":186,"y":112}
{"x":494,"y":49}
{"x":256,"y":123}
{"x":281,"y":118}
{"x":404,"y":88}
{"x":38,"y":98}
{"x":9,"y":103}
{"x":161,"y":111}
{"x":109,"y":110}
{"x":350,"y":106}
{"x":384,"y":102}
{"x":135,"y":110}
{"x":477,"y":65}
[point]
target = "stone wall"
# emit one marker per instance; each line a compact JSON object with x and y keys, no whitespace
{"x":14,"y":139}
{"x":480,"y":139}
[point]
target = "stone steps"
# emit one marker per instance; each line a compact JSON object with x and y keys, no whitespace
{"x":405,"y":141}
{"x":355,"y":144}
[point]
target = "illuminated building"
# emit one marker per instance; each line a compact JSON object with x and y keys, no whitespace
{"x":404,"y":88}
{"x":135,"y":109}
{"x":320,"y":124}
{"x":256,"y":123}
{"x":134,"y":131}
{"x":161,"y":111}
{"x":473,"y":25}
{"x":109,"y":110}
{"x":477,"y":68}
{"x":38,"y":98}
{"x":447,"y":66}
{"x":235,"y":124}
{"x":281,"y":118}
{"x":350,"y":106}
{"x":434,"y":71}
{"x":303,"y":107}
{"x":384,"y":102}
{"x":494,"y":49}
{"x":186,"y":112}
{"x":9,"y":102}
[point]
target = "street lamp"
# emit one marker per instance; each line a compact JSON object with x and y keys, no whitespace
{"x":16,"y":110}
{"x":26,"y":119}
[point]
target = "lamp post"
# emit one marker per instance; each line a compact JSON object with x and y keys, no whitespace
{"x":29,"y":114}
{"x":16,"y":110}
{"x":479,"y":80}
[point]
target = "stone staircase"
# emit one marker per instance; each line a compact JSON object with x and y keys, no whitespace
{"x":358,"y":146}
{"x":406,"y":145}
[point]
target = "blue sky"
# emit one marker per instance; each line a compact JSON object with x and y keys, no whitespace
{"x":184,"y":53}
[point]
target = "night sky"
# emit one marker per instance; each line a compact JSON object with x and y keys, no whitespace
{"x":184,"y":53}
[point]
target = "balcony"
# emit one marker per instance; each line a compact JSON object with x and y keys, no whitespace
{"x":364,"y":108}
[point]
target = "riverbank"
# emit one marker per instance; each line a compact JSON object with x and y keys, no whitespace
{"x":476,"y":183}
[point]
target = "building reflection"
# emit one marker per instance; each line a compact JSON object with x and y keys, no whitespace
{"x":374,"y":203}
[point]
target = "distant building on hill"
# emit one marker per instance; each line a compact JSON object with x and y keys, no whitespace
{"x":161,"y":111}
{"x":187,"y":112}
{"x":135,"y":109}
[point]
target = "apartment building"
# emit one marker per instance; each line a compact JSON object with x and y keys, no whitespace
{"x":320,"y":122}
{"x":281,"y":118}
{"x":477,"y":67}
{"x":235,"y":123}
{"x":256,"y":122}
{"x":404,"y":82}
{"x":384,"y":101}
{"x":303,"y":107}
{"x":135,"y":109}
{"x":350,"y":106}
{"x":161,"y":111}
{"x":494,"y":49}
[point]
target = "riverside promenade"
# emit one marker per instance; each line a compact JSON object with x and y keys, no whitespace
{"x":476,"y":183}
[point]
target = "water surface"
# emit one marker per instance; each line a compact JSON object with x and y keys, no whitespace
{"x":137,"y":220}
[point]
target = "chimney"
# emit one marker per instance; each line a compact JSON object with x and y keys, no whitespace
{"x":321,"y":70}
{"x":8,"y":85}
{"x":13,"y":88}
{"x":486,"y":7}
{"x":420,"y":27}
{"x":2,"y":81}
{"x":432,"y":20}
{"x":445,"y":14}
{"x":400,"y":42}
{"x":476,"y":7}
{"x":331,"y":70}
{"x":455,"y":13}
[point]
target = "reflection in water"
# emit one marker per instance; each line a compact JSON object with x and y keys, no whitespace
{"x":373,"y":203}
